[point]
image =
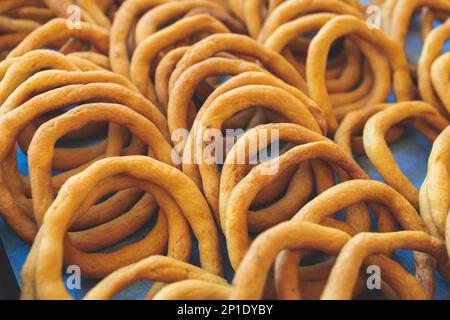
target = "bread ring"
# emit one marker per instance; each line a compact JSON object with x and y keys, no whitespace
{"x":378,"y":152}
{"x":433,"y":45}
{"x":344,"y":272}
{"x":145,"y":53}
{"x":57,"y":29}
{"x":439,"y":74}
{"x":238,"y":100}
{"x":239,"y":44}
{"x":339,"y":27}
{"x":437,"y":184}
{"x":156,"y":268}
{"x":324,"y":205}
{"x":167,"y":12}
{"x":120,"y":31}
{"x":235,"y":216}
{"x":290,"y":10}
{"x":250,"y":278}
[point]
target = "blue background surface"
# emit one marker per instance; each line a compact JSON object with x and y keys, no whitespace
{"x":411,"y":153}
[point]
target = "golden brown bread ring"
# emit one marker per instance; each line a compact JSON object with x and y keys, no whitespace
{"x":247,"y":78}
{"x":378,"y":152}
{"x":354,"y":122}
{"x":402,"y":14}
{"x":233,"y":24}
{"x":156,"y":268}
{"x":56,"y":30}
{"x":143,"y":168}
{"x":235,"y":215}
{"x":237,"y":100}
{"x":437,"y":185}
{"x":163,"y":72}
{"x":303,"y":25}
{"x":320,"y":45}
{"x":11,"y":25}
{"x":15,"y":71}
{"x":93,"y":10}
{"x":123,"y":23}
{"x":233,"y":171}
{"x":166,"y":13}
{"x":94,"y":238}
{"x":194,"y":290}
{"x":37,"y":14}
{"x":17,"y":118}
{"x":41,"y":147}
{"x":81,"y":83}
{"x":431,"y":50}
{"x":145,"y":54}
{"x":255,"y":12}
{"x":181,"y":94}
{"x":326,"y":204}
{"x":345,"y":271}
{"x":290,"y":10}
{"x":6,"y":6}
{"x":99,"y":59}
{"x":239,"y":44}
{"x":440,"y":71}
{"x":249,"y":280}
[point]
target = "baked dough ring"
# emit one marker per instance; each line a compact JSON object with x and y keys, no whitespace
{"x":16,"y":119}
{"x":123,"y":22}
{"x":156,"y":268}
{"x":290,"y":10}
{"x":239,"y":44}
{"x":432,"y":47}
{"x":237,"y":100}
{"x":319,"y":48}
{"x":250,"y":278}
{"x":440,"y":71}
{"x":163,"y":14}
{"x":235,"y":215}
{"x":325,"y":204}
{"x":437,"y":185}
{"x":345,"y":271}
{"x":182,"y":93}
{"x":74,"y":192}
{"x":378,"y":151}
{"x":147,"y":51}
{"x":56,"y":30}
{"x":402,"y":15}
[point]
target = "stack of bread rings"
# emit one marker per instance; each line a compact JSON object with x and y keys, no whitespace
{"x":110,"y":100}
